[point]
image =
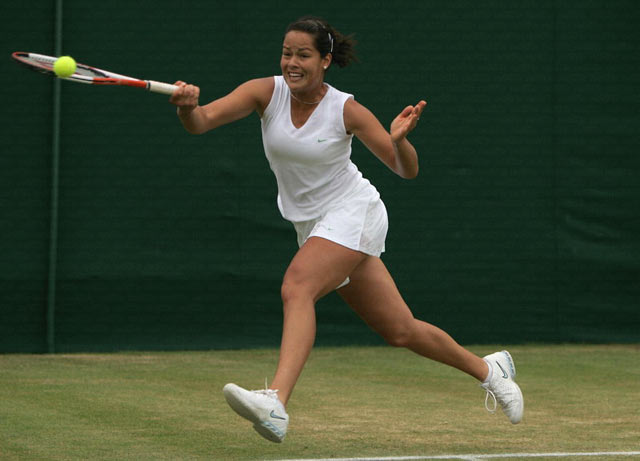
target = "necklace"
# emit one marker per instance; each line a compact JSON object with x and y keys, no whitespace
{"x":305,"y":102}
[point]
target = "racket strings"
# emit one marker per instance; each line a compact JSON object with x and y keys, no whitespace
{"x":42,"y":63}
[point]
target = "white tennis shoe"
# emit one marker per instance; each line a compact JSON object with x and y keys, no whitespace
{"x":500,"y":385}
{"x":262,"y":408}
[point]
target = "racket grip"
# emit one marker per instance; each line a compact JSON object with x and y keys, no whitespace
{"x":159,"y":87}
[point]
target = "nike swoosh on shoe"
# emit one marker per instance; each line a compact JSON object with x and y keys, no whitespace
{"x":275,"y":416}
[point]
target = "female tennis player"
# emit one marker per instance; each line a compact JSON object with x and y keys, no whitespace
{"x":340,"y":220}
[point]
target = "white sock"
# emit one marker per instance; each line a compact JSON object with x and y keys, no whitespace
{"x":490,"y":374}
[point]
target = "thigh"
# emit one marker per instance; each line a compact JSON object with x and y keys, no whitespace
{"x":319,"y":266}
{"x":374,"y":296}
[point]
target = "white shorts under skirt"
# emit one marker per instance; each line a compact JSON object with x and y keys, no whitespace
{"x":358,"y":224}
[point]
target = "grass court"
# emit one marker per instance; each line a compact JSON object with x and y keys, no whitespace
{"x":350,"y":403}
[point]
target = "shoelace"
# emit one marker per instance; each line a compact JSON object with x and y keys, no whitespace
{"x":273,"y":393}
{"x":486,"y":401}
{"x":504,"y":402}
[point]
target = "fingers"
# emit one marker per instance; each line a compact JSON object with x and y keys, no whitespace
{"x":407,"y":111}
{"x":412,"y":112}
{"x":406,"y":121}
{"x":179,"y":92}
{"x":186,"y":95}
{"x":409,"y":117}
{"x":417,"y":110}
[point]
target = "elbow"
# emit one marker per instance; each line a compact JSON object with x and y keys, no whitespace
{"x":194,"y":128}
{"x":411,"y":173}
{"x":405,"y":164}
{"x":406,"y":174}
{"x":194,"y":131}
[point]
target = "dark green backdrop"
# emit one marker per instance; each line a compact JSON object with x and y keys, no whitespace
{"x":523,"y":225}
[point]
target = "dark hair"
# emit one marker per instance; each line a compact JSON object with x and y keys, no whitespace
{"x":327,"y":39}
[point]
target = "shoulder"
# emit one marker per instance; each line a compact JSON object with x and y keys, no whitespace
{"x":261,"y":84}
{"x":259,"y":89}
{"x":355,"y":115}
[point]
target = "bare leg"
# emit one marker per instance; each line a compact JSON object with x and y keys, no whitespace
{"x":317,"y":268}
{"x":373,"y":294}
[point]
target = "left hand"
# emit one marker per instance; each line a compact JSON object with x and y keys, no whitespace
{"x":406,"y":121}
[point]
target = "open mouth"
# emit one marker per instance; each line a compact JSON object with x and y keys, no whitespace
{"x":294,"y":76}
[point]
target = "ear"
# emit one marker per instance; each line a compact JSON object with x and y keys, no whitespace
{"x":326,"y":61}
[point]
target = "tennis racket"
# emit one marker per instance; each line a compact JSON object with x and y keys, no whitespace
{"x":90,"y":75}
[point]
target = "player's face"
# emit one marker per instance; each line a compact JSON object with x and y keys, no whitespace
{"x":301,"y":63}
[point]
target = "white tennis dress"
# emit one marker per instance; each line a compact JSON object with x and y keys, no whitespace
{"x":320,"y":189}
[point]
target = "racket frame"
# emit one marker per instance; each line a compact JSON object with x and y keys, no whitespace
{"x":90,"y":75}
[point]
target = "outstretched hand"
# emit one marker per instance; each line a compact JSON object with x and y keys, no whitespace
{"x":406,"y":121}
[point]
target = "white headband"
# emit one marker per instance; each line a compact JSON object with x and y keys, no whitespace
{"x":328,"y":33}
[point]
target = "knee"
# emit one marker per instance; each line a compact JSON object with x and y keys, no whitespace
{"x":292,"y":292}
{"x":399,"y":335}
{"x":287,"y":291}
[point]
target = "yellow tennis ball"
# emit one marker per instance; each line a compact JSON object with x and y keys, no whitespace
{"x":64,"y":66}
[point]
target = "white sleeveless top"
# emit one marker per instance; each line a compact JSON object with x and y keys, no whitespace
{"x":312,"y":164}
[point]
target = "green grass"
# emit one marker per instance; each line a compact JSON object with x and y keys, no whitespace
{"x":349,"y":402}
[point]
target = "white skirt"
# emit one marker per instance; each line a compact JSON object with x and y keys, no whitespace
{"x":360,"y":224}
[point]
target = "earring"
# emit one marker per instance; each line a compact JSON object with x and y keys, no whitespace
{"x":325,"y":67}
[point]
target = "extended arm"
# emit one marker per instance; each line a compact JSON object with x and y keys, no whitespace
{"x":392,"y":148}
{"x":251,"y":96}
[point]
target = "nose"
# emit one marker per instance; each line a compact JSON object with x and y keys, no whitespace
{"x":293,"y":61}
